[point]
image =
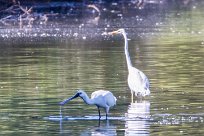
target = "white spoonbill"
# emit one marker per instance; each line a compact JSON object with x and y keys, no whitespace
{"x":101,"y":98}
{"x":137,"y":80}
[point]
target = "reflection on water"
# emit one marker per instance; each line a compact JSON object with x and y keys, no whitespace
{"x":137,"y":117}
{"x":105,"y":128}
{"x":102,"y":128}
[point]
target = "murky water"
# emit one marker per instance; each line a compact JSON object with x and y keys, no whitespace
{"x":36,"y":75}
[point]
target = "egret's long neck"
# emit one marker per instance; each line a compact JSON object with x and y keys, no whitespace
{"x":129,"y":64}
{"x":87,"y":100}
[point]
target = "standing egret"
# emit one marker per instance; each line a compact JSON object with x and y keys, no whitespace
{"x":101,"y":98}
{"x":137,"y":80}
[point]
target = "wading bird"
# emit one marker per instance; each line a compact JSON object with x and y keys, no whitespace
{"x":101,"y":98}
{"x":137,"y":80}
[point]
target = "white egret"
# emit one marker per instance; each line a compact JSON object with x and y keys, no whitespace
{"x":101,"y":98}
{"x":137,"y":80}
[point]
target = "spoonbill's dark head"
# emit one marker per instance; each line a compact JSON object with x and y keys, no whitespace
{"x":79,"y":93}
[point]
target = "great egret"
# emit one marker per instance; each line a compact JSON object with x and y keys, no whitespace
{"x":137,"y":80}
{"x":101,"y":98}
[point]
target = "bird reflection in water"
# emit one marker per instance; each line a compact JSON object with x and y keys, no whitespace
{"x":103,"y":128}
{"x":137,"y":119}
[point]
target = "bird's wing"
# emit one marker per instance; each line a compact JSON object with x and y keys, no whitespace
{"x":137,"y":79}
{"x":98,"y":93}
{"x":106,"y":96}
{"x":144,"y":79}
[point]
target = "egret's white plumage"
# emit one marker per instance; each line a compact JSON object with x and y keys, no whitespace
{"x":101,"y":98}
{"x":137,"y":80}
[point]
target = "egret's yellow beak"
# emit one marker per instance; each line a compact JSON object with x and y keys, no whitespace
{"x":112,"y":33}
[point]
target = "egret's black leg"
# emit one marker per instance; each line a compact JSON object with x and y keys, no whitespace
{"x":106,"y":116}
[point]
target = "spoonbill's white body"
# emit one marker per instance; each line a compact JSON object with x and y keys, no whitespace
{"x":101,"y":98}
{"x":137,"y":80}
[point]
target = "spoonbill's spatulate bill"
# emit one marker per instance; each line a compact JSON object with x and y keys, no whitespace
{"x":137,"y":80}
{"x":101,"y":98}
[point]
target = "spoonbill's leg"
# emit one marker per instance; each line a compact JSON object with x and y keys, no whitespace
{"x":99,"y":113}
{"x":107,"y":110}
